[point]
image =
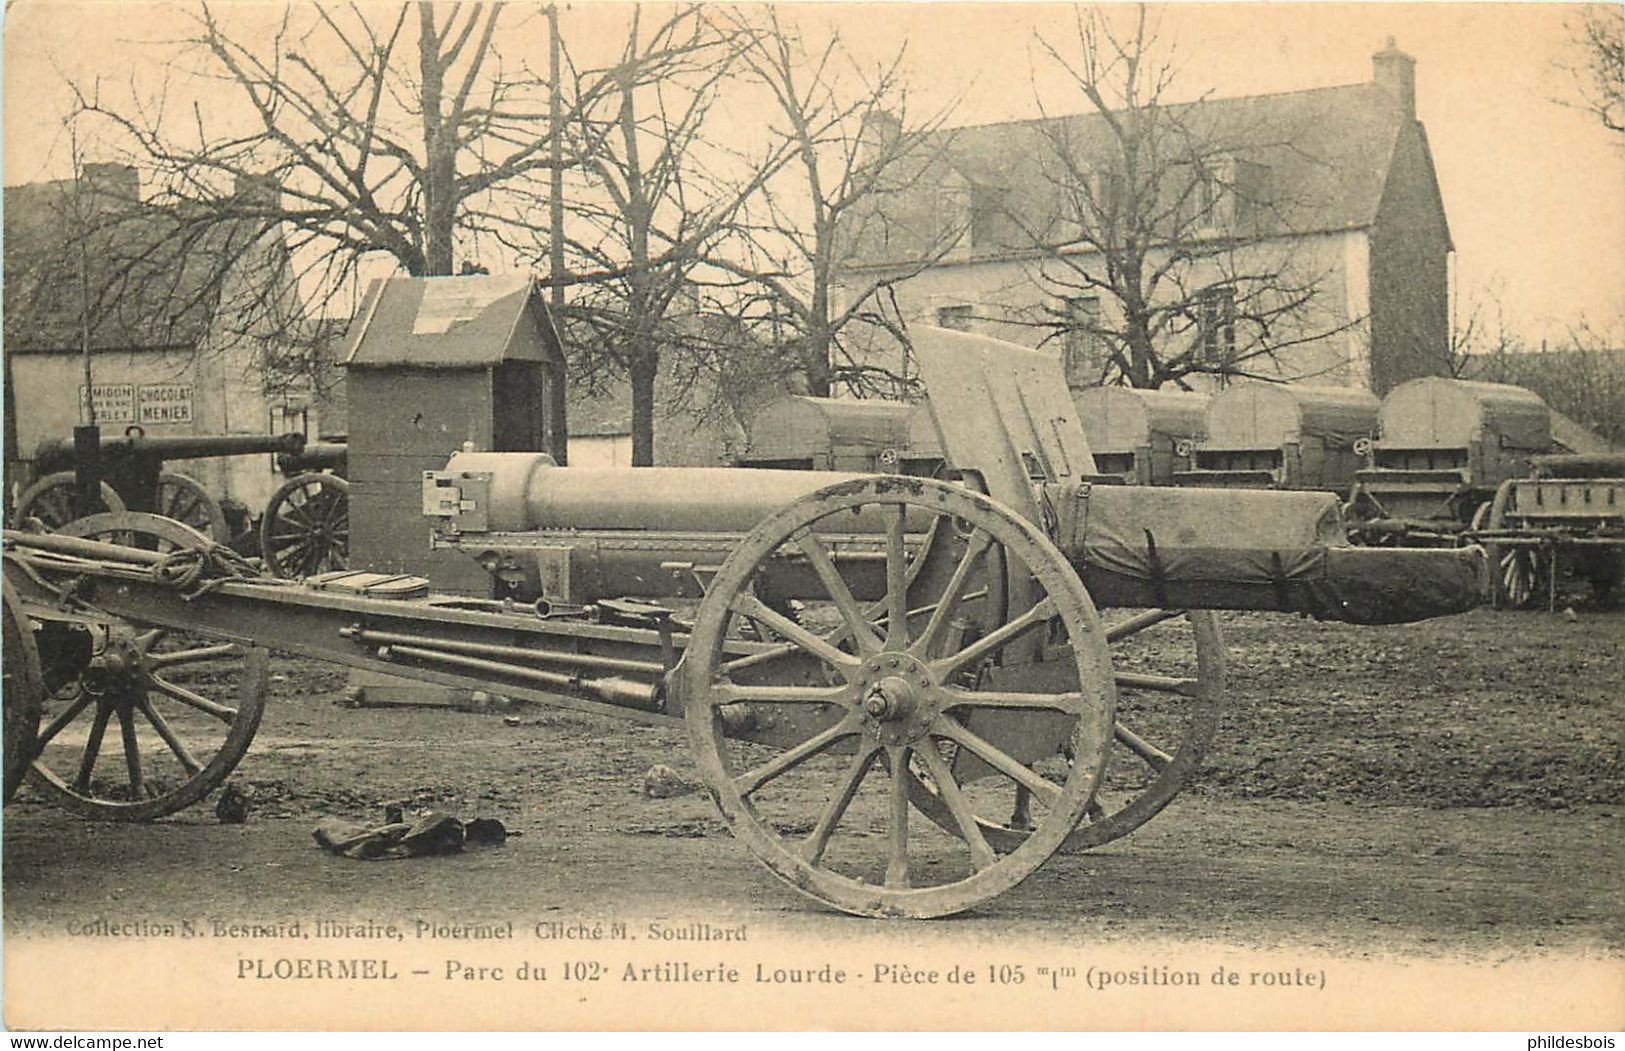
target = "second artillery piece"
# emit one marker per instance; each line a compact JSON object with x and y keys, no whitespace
{"x":134,"y":477}
{"x":901,"y":692}
{"x":305,"y":529}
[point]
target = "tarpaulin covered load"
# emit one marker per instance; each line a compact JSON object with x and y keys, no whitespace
{"x":1438,"y":412}
{"x":1283,"y":437}
{"x":1268,"y":416}
{"x":1236,"y":549}
{"x":1124,"y":419}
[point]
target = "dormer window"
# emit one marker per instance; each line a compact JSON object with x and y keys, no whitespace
{"x":1210,"y":198}
{"x":953,"y":218}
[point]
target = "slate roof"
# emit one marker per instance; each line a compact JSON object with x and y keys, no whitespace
{"x":455,"y":322}
{"x":1323,"y":156}
{"x":153,"y":278}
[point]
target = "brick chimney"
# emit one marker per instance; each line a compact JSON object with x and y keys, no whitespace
{"x":259,"y":192}
{"x":1395,"y":72}
{"x":879,"y":131}
{"x":111,"y":186}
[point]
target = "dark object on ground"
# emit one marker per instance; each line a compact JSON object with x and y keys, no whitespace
{"x":233,"y":805}
{"x":433,"y":833}
{"x":485,"y":831}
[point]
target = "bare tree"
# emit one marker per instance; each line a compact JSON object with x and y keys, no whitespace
{"x":849,"y":137}
{"x":1599,"y":68}
{"x":1582,"y":377}
{"x":656,"y":196}
{"x":354,"y":133}
{"x":1155,"y":209}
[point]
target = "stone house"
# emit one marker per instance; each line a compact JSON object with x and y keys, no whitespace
{"x":1337,"y":184}
{"x":180,"y":341}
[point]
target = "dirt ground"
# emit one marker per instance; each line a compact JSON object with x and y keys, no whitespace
{"x":1444,"y":788}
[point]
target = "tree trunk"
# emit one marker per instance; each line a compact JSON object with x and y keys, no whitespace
{"x":817,"y":343}
{"x":558,"y":405}
{"x":815,"y":363}
{"x":439,"y":155}
{"x":645,"y":364}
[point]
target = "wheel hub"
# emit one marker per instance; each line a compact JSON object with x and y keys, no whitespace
{"x":898,"y":694}
{"x":117,"y":670}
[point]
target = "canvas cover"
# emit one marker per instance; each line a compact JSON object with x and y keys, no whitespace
{"x":1240,"y":549}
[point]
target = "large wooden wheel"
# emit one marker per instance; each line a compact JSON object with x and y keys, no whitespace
{"x":306,"y":528}
{"x":23,"y":691}
{"x":50,"y":500}
{"x":184,"y":499}
{"x":1169,"y":669}
{"x":179,"y":709}
{"x":820,"y":791}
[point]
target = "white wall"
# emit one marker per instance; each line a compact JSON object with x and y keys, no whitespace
{"x":1008,"y":292}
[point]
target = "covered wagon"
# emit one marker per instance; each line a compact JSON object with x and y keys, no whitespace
{"x":1443,"y":446}
{"x":800,"y":432}
{"x":1267,"y":436}
{"x":1144,"y":436}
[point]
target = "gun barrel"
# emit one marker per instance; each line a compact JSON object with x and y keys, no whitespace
{"x":317,"y":456}
{"x":57,"y":454}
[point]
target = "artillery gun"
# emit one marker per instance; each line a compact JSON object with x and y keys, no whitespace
{"x":849,"y":653}
{"x":134,"y":477}
{"x":305,"y":529}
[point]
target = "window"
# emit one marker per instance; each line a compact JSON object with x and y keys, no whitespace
{"x":957,"y":317}
{"x":954,"y":219}
{"x":1209,"y":205}
{"x":1082,"y":350}
{"x":986,"y":219}
{"x":1216,"y":326}
{"x":1249,"y":201}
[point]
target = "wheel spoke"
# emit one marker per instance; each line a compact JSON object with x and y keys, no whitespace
{"x":93,"y":748}
{"x":1159,"y":683}
{"x":896,"y":582}
{"x":813,"y":848}
{"x":1154,"y":757}
{"x":132,"y":752}
{"x":1070,"y":703}
{"x":201,"y":653}
{"x":1139,"y":622}
{"x":791,"y":758}
{"x":747,"y":604}
{"x":862,"y":631}
{"x":948,"y":603}
{"x":56,"y":726}
{"x":1042,"y":787}
{"x":981,"y":855}
{"x":195,"y":700}
{"x":160,"y":724}
{"x":1039,"y":614}
{"x":897,"y":825}
{"x":732,"y":693}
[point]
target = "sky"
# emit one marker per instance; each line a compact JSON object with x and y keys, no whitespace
{"x":1534,"y":190}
